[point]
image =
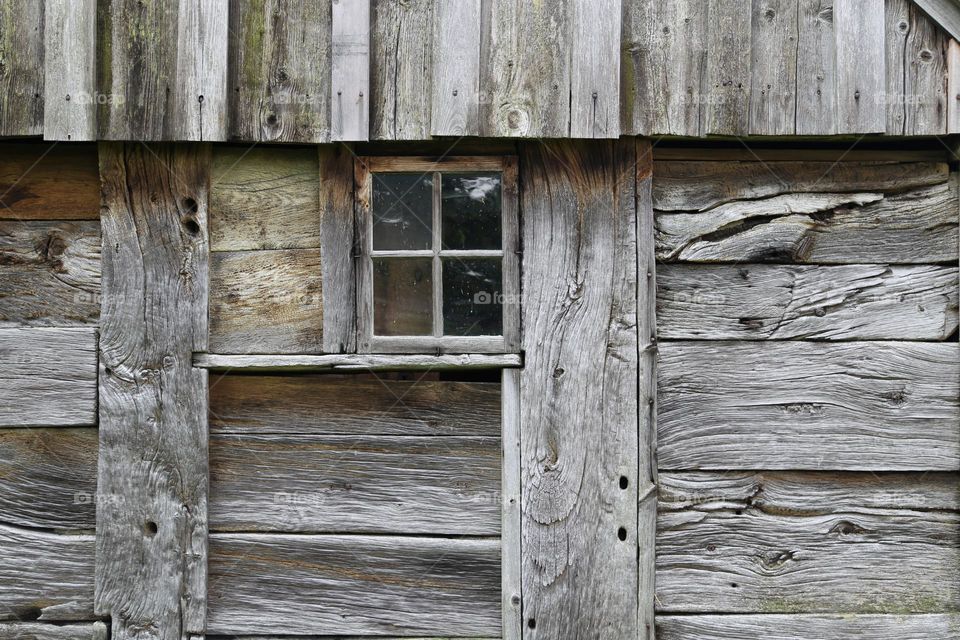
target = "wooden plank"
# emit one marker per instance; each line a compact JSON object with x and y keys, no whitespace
{"x":152,"y":484}
{"x":779,"y":302}
{"x":875,"y":405}
{"x":361,"y":362}
{"x":280,"y":60}
{"x":579,"y":547}
{"x":70,"y":67}
{"x":775,"y":52}
{"x":41,"y":631}
{"x":774,"y":544}
{"x":352,"y":405}
{"x":455,"y":89}
{"x":916,"y":72}
{"x":49,"y":273}
{"x":355,"y":484}
{"x":350,"y":70}
{"x":367,"y":585}
{"x":953,"y":87}
{"x":944,"y":12}
{"x":48,"y":377}
{"x":595,"y":68}
{"x":21,"y":74}
{"x":859,"y":29}
{"x":808,"y":627}
{"x":336,"y":258}
{"x":264,"y":198}
{"x":48,"y":478}
{"x":827,"y":151}
{"x":728,"y":68}
{"x":40,"y":182}
{"x":400,"y":64}
{"x":816,"y":69}
{"x":511,"y":540}
{"x":897,"y":21}
{"x":266,"y":301}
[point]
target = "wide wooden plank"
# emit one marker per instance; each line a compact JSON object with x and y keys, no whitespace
{"x":42,"y":182}
{"x":48,"y":377}
{"x":861,"y":80}
{"x":337,"y":239}
{"x":21,"y":74}
{"x":774,"y":53}
{"x":455,"y":87}
{"x":352,"y":405}
{"x":355,"y":484}
{"x":350,"y":70}
{"x":728,"y":76}
{"x":264,"y":198}
{"x":816,"y":69}
{"x":42,"y":631}
{"x":70,"y":70}
{"x":266,"y":301}
{"x":595,"y":68}
{"x":802,"y":405}
{"x":933,"y":626}
{"x":778,"y":544}
{"x":279,"y":84}
{"x":49,"y":273}
{"x":368,"y":585}
{"x":763,"y":302}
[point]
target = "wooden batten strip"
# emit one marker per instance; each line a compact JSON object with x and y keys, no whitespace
{"x":511,"y":540}
{"x":455,"y":101}
{"x":350,"y":63}
{"x":953,"y":87}
{"x":359,"y":363}
{"x":70,"y":66}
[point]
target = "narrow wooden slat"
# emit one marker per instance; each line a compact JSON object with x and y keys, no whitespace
{"x":41,"y":182}
{"x":859,"y":29}
{"x":897,"y":30}
{"x":21,"y":74}
{"x":865,"y":405}
{"x":350,"y":70}
{"x":455,"y":89}
{"x":70,"y":67}
{"x":775,"y":53}
{"x":728,"y":68}
{"x":839,"y":155}
{"x":200,"y":93}
{"x":816,"y":69}
{"x":368,"y":585}
{"x":808,"y":627}
{"x":595,"y":68}
{"x":152,"y":470}
{"x":48,"y":377}
{"x":41,"y":631}
{"x":953,"y":87}
{"x":511,"y":540}
{"x":361,"y":362}
{"x":337,"y":240}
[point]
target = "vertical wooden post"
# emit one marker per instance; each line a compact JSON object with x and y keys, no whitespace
{"x":152,"y":469}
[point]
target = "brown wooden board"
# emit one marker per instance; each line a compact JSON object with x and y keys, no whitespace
{"x":46,"y":182}
{"x":21,"y":74}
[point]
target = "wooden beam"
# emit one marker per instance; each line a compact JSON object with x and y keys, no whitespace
{"x":349,"y":362}
{"x":808,"y":626}
{"x":336,"y":258}
{"x":70,"y":70}
{"x":350,"y":88}
{"x":511,"y":540}
{"x":46,"y":631}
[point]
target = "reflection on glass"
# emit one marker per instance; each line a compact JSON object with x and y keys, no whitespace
{"x":470,"y":205}
{"x":402,"y":296}
{"x":402,"y":211}
{"x":472,"y":298}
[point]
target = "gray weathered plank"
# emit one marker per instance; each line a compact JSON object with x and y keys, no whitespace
{"x":762,"y":302}
{"x":70,"y":70}
{"x":816,"y":69}
{"x":279,"y":85}
{"x":350,"y":70}
{"x":152,"y":470}
{"x":916,"y":71}
{"x":48,"y":377}
{"x":728,"y":68}
{"x":594,"y":68}
{"x":49,"y":273}
{"x":579,"y":416}
{"x":953,"y":87}
{"x":21,"y":74}
{"x":355,"y":484}
{"x":511,"y":599}
{"x":336,"y":256}
{"x":362,"y":363}
{"x":897,"y":30}
{"x":861,"y":79}
{"x":367,"y":585}
{"x":42,"y":631}
{"x":47,"y":182}
{"x":794,"y":626}
{"x":944,"y":12}
{"x":803,"y":405}
{"x":774,"y":53}
{"x":455,"y":72}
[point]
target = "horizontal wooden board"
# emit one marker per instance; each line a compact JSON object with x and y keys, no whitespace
{"x":807,"y":405}
{"x":43,"y":631}
{"x":344,"y":585}
{"x":763,"y":302}
{"x":775,"y":543}
{"x":48,"y":377}
{"x":49,"y":273}
{"x":353,"y":405}
{"x":366,"y":484}
{"x":45,"y":182}
{"x":266,"y":301}
{"x":934,"y":626}
{"x":354,"y":362}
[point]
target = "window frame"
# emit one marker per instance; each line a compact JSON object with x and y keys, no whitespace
{"x":509,"y":341}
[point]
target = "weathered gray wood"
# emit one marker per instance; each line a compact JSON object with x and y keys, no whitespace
{"x":761,"y":302}
{"x":49,"y":273}
{"x":455,"y":87}
{"x":352,"y":405}
{"x":70,"y":69}
{"x":836,"y":155}
{"x":774,"y":53}
{"x":355,"y":484}
{"x":279,"y":85}
{"x":48,"y":377}
{"x":21,"y":74}
{"x":152,"y":484}
{"x":511,"y":598}
{"x":816,"y":69}
{"x":916,"y":71}
{"x":579,"y":418}
{"x":776,"y":544}
{"x":801,"y":405}
{"x":368,"y":585}
{"x":944,"y":12}
{"x":361,"y":363}
{"x":594,"y":68}
{"x":400,"y":63}
{"x":337,"y":254}
{"x":264,"y":198}
{"x":861,"y":78}
{"x":41,"y":631}
{"x":48,"y":478}
{"x":808,"y":627}
{"x":728,"y":68}
{"x":42,"y":182}
{"x":897,"y":30}
{"x":350,"y":70}
{"x":953,"y":87}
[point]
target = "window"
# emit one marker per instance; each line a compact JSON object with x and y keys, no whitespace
{"x":439,"y":265}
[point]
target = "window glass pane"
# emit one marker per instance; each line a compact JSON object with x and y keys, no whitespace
{"x":402,"y":211}
{"x":472,"y":298}
{"x":471,"y":205}
{"x":402,"y":296}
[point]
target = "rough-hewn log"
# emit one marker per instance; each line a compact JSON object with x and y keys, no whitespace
{"x":42,"y":631}
{"x":808,"y":627}
{"x":41,"y":182}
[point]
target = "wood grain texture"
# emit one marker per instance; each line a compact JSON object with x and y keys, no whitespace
{"x":355,"y":484}
{"x":367,"y":585}
{"x":49,"y":273}
{"x":778,"y":302}
{"x":350,"y":70}
{"x":42,"y":631}
{"x":816,"y":69}
{"x":945,"y":13}
{"x":774,"y":58}
{"x":455,"y":72}
{"x":579,"y":418}
{"x":337,"y":242}
{"x":264,"y":198}
{"x":871,"y":406}
{"x":21,"y":74}
{"x":46,"y":182}
{"x":363,"y":363}
{"x":808,"y":627}
{"x":48,"y":377}
{"x":728,"y":68}
{"x":152,"y":484}
{"x":266,"y":301}
{"x":953,"y":87}
{"x":861,"y":76}
{"x":595,"y":68}
{"x":352,"y":405}
{"x":279,"y":71}
{"x":796,"y":544}
{"x":70,"y":70}
{"x":511,"y":540}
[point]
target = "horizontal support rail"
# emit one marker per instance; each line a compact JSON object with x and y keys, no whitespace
{"x":354,"y":362}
